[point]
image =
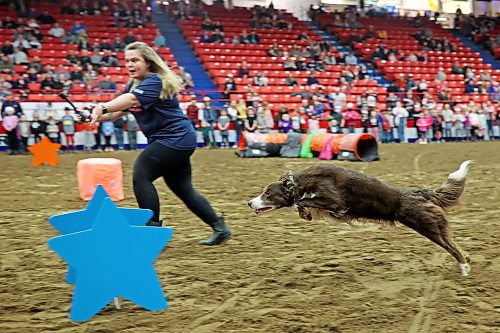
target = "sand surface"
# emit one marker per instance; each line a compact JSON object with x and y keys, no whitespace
{"x":280,"y":273}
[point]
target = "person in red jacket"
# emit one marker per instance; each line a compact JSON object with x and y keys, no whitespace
{"x":192,"y":112}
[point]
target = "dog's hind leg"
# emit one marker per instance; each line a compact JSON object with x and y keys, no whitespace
{"x":430,"y":221}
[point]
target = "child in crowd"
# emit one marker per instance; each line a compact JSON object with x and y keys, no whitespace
{"x":374,"y":125}
{"x":223,"y":123}
{"x":295,"y":121}
{"x":313,"y":124}
{"x":205,"y":129}
{"x":24,"y":132}
{"x":68,"y":125}
{"x":52,"y":129}
{"x":262,"y":121}
{"x":423,"y":126}
{"x":37,"y":128}
{"x":88,"y":137}
{"x":334,"y":127}
{"x":251,"y":121}
{"x":285,"y":125}
{"x":132,"y":128}
{"x":108,"y":129}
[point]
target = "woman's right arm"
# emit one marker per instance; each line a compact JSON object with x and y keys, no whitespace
{"x":112,"y":116}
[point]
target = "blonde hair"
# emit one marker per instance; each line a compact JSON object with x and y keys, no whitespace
{"x":171,"y":83}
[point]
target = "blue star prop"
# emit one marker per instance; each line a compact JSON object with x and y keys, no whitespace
{"x":69,"y":223}
{"x":113,"y":259}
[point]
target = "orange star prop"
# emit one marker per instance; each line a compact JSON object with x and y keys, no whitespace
{"x":45,"y":152}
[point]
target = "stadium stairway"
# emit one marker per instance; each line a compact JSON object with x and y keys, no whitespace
{"x":374,"y":74}
{"x":487,"y":57}
{"x":184,"y":56}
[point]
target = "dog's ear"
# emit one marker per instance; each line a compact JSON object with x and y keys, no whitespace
{"x":286,"y":183}
{"x":286,"y":177}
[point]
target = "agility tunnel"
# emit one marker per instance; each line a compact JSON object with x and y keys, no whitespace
{"x":351,"y":147}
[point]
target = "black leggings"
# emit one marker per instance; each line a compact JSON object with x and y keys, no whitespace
{"x":174,"y":166}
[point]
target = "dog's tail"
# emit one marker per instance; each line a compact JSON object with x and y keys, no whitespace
{"x":450,"y":191}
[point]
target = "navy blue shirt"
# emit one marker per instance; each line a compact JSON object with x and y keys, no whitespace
{"x":162,"y":120}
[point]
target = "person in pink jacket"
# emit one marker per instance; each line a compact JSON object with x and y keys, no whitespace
{"x":9,"y":123}
{"x":424,"y":123}
{"x":351,"y":117}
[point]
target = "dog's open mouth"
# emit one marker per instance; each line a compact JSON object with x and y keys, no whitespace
{"x":263,"y":210}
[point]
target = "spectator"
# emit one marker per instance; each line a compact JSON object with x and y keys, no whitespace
{"x":223,"y":124}
{"x":10,"y":122}
{"x":456,"y":69}
{"x":37,"y":128}
{"x":470,"y":87}
{"x":52,"y":129}
{"x":117,"y":45}
{"x":290,"y":65}
{"x":440,"y":76}
{"x":422,"y":86}
{"x":7,"y":48}
{"x":108,"y":84}
{"x":129,"y":38}
{"x":68,"y":38}
{"x":400,"y":116}
{"x":244,"y":38}
{"x":110,"y":59}
{"x":351,"y":118}
{"x":254,"y":38}
{"x":243,"y":70}
{"x":159,"y":40}
{"x":229,"y":86}
{"x":205,"y":37}
{"x":56,"y":31}
{"x":329,"y":59}
{"x":132,"y":128}
{"x":291,"y":81}
{"x":68,"y":126}
{"x":34,"y":43}
{"x":207,"y":25}
{"x":6,"y":64}
{"x":21,"y":43}
{"x":260,"y":80}
{"x":77,"y":28}
{"x":19,"y":57}
{"x":82,"y":40}
{"x":210,"y":116}
{"x":192,"y":111}
{"x":350,"y":59}
{"x":105,"y":45}
{"x":77,"y":74}
{"x":274,"y":51}
{"x":108,"y":129}
{"x":9,"y":23}
{"x":251,"y":120}
{"x":412,"y":57}
{"x":312,"y":80}
{"x":304,"y":36}
{"x":285,"y":124}
{"x":186,"y":77}
{"x":36,"y":63}
{"x":216,"y":37}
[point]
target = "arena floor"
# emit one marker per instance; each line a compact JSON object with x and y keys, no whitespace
{"x":279,"y":274}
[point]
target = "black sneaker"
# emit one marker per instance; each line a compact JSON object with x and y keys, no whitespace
{"x":152,"y":223}
{"x":221,"y":233}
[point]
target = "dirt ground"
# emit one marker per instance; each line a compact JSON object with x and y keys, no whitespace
{"x":280,"y":273}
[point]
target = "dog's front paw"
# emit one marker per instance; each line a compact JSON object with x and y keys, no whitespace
{"x":305,"y":214}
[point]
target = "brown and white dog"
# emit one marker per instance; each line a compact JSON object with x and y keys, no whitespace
{"x":334,"y":193}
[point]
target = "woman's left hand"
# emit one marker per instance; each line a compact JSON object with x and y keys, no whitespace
{"x":96,"y":114}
